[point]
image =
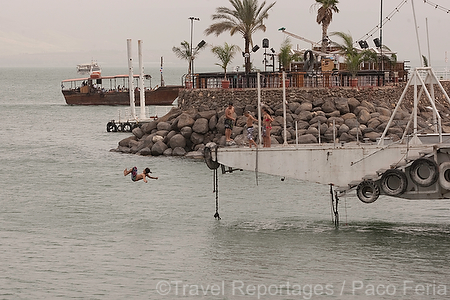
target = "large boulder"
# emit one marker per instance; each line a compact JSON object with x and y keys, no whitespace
{"x":158,"y":148}
{"x":164,"y":126}
{"x":172,"y":114}
{"x":126,"y":142}
{"x":197,"y":138}
{"x":212,"y":122}
{"x":178,"y":151}
{"x":342,"y":105}
{"x":352,"y":123}
{"x":307,"y":139}
{"x":177,"y":141}
{"x":305,"y":115}
{"x":207,"y":114}
{"x":318,"y":119}
{"x":185,"y":120}
{"x":364,"y":116}
{"x":328,"y":106}
{"x":201,"y":126}
{"x":145,"y":151}
{"x":186,"y":132}
{"x":305,"y":106}
{"x":353,"y":103}
{"x":148,"y":127}
{"x":138,"y":133}
{"x":372,"y":136}
{"x":157,"y":138}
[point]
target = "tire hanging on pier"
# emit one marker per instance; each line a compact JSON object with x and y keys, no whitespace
{"x":394,"y":182}
{"x":126,"y":127}
{"x":368,"y":191}
{"x":111,"y":127}
{"x":211,"y":156}
{"x":424,"y":172}
{"x":444,"y":175}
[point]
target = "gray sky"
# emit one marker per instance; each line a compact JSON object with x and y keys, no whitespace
{"x":66,"y":33}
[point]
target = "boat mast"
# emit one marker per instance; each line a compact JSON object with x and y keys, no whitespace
{"x":141,"y":81}
{"x":161,"y":70}
{"x":130,"y":80}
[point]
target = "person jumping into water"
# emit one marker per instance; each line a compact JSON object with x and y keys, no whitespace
{"x":136,"y":177}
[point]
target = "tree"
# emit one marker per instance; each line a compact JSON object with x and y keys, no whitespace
{"x":325,"y":16}
{"x":184,"y":52}
{"x":246,"y":17}
{"x":353,"y":57}
{"x":225,"y":54}
{"x":286,"y":56}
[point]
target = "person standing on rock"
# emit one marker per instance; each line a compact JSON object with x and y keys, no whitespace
{"x":136,"y":177}
{"x":229,"y":121}
{"x":267,"y":122}
{"x":250,"y":120}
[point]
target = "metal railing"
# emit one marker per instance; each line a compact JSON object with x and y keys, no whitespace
{"x":240,"y":80}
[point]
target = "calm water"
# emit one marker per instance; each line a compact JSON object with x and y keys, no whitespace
{"x":72,"y":226}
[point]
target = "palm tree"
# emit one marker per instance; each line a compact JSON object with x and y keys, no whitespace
{"x":246,"y":17}
{"x":184,"y":52}
{"x":325,"y":16}
{"x":225,"y":54}
{"x":286,"y":56}
{"x":353,"y":56}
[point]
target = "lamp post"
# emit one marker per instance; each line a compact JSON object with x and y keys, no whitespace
{"x":381,"y":36}
{"x":192,"y":56}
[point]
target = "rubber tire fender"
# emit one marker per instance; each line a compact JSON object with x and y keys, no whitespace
{"x":401,"y":177}
{"x":126,"y":127}
{"x":111,"y":127}
{"x":367,"y":191}
{"x":210,"y":162}
{"x":444,"y":180}
{"x":432,"y":167}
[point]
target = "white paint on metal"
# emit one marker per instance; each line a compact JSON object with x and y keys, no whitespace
{"x":284,"y":109}
{"x":141,"y":81}
{"x":130,"y":79}
{"x":321,"y":163}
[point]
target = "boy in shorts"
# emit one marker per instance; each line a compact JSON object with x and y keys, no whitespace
{"x":250,"y":129}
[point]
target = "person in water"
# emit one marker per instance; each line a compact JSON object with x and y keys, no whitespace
{"x":136,"y":177}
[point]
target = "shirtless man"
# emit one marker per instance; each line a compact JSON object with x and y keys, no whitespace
{"x":136,"y":177}
{"x":250,"y":128}
{"x":229,"y":121}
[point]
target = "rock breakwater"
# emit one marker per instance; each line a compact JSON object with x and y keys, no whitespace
{"x":342,"y":113}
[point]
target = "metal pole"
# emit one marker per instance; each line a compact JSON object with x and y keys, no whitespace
{"x":130,"y":80}
{"x":258,"y":75}
{"x":381,"y":38}
{"x":192,"y":54}
{"x":428,"y":42}
{"x":141,"y":81}
{"x":284,"y":108}
{"x":417,"y":34}
{"x":161,"y":70}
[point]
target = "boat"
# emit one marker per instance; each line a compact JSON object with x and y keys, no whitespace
{"x":88,"y":68}
{"x":416,"y":167}
{"x":112,"y":90}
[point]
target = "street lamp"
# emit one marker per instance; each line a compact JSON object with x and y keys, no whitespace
{"x":192,"y":56}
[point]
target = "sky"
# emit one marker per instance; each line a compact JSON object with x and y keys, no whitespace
{"x":64,"y":33}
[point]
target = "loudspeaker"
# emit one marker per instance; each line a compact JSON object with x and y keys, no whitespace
{"x":377,"y":42}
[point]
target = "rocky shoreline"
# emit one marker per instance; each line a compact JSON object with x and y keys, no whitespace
{"x":358,"y":114}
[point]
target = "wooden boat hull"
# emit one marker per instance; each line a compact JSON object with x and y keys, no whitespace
{"x":165,"y":95}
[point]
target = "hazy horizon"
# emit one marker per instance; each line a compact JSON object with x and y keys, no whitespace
{"x":62,"y":33}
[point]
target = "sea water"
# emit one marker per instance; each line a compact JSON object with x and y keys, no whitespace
{"x":72,"y":226}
